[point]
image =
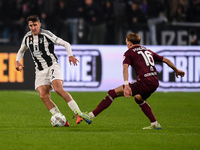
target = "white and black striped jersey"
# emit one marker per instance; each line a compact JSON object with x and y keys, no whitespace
{"x":42,"y":48}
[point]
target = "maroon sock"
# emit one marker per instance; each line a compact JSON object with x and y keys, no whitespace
{"x":105,"y":102}
{"x":146,"y":109}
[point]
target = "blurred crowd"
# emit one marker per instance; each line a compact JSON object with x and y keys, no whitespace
{"x":93,"y":21}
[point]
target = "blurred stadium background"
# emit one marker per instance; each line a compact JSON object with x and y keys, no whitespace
{"x":96,"y":31}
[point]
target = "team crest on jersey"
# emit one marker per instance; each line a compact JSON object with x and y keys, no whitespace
{"x":40,"y":40}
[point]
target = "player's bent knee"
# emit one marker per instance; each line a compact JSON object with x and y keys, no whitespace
{"x":58,"y":90}
{"x":138,"y":101}
{"x":112,"y":93}
{"x":138,"y":97}
{"x":45,"y":97}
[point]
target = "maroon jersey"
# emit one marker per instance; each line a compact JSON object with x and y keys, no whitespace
{"x":142,"y":61}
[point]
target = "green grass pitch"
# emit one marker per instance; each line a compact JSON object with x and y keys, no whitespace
{"x":25,"y":123}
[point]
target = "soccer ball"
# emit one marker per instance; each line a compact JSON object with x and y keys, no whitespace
{"x":58,"y":120}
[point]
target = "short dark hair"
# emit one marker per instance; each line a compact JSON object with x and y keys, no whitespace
{"x":33,"y":18}
{"x":133,"y":38}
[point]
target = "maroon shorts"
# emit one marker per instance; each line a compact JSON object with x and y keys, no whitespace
{"x":144,"y":88}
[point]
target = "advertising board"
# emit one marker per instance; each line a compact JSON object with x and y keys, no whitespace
{"x":100,"y":67}
{"x":10,"y":79}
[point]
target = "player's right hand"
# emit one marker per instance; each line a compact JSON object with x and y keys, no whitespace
{"x":18,"y":66}
{"x":127,"y":91}
{"x":73,"y":60}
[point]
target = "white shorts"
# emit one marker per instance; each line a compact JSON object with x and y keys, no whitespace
{"x":46,"y":76}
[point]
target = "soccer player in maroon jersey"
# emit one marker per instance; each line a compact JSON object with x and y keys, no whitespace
{"x":142,"y":61}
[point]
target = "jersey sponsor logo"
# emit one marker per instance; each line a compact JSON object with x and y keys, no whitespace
{"x":86,"y":74}
{"x":150,"y":74}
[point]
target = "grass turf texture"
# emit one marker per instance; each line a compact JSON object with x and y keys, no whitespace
{"x":25,"y":123}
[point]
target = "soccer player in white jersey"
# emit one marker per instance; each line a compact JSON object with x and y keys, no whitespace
{"x":48,"y":75}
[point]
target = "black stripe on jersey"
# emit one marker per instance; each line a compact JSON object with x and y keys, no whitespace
{"x":28,"y":34}
{"x":26,"y":41}
{"x":42,"y":48}
{"x":31,"y":50}
{"x":51,"y":47}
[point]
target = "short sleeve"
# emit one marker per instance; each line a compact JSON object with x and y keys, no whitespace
{"x":157,"y":57}
{"x":127,"y":58}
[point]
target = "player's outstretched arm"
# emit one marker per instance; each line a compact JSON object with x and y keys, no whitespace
{"x":171,"y":65}
{"x":67,"y":46}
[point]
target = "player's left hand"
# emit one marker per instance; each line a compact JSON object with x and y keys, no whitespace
{"x":180,"y":73}
{"x":73,"y":60}
{"x":127,"y":91}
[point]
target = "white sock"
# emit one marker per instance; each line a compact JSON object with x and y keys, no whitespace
{"x":91,"y":115}
{"x":72,"y":104}
{"x":54,"y":110}
{"x":154,"y":123}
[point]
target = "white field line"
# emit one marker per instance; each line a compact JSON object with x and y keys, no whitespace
{"x":128,"y":133}
{"x":102,"y":133}
{"x":30,"y":92}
